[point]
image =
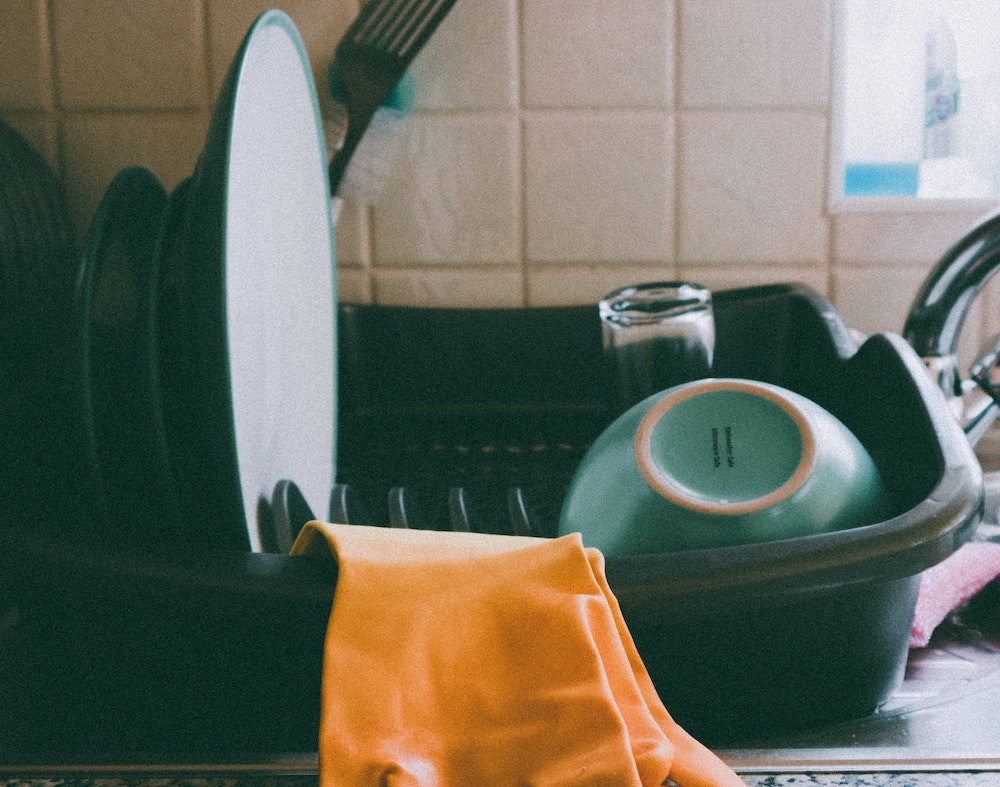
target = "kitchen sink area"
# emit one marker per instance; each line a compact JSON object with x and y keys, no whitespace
{"x":942,"y":722}
{"x":943,"y":717}
{"x":227,"y":364}
{"x":941,"y":727}
{"x":939,"y":717}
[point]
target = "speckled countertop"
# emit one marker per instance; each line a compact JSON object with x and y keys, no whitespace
{"x":942,"y":729}
{"x":914,"y":779}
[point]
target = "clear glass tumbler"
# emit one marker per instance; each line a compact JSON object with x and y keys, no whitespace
{"x":657,"y":335}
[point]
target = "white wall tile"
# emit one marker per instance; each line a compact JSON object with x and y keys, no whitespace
{"x":751,"y":187}
{"x":552,"y":285}
{"x":755,"y":53}
{"x":559,"y":148}
{"x":598,"y":187}
{"x":471,"y":60}
{"x":145,"y":53}
{"x":321,"y":24}
{"x":25,"y":55}
{"x":989,"y":323}
{"x":352,"y":236}
{"x":876,"y":299}
{"x":353,"y":285}
{"x":896,"y":238}
{"x":563,"y":284}
{"x":729,"y":276}
{"x":452,"y":196}
{"x":450,"y":288}
{"x":96,"y":147}
{"x":42,"y":134}
{"x":592,"y":53}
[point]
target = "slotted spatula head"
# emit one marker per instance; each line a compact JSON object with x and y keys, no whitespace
{"x":372,"y":57}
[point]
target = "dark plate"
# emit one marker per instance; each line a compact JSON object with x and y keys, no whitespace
{"x":38,"y":274}
{"x":116,"y":361}
{"x":37,"y":270}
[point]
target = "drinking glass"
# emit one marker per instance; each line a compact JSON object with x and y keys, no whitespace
{"x":657,"y":335}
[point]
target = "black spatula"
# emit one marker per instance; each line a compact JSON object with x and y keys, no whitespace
{"x":372,"y":57}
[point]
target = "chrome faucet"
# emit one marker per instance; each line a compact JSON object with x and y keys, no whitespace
{"x":935,"y":322}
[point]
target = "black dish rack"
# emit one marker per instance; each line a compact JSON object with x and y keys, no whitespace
{"x":475,"y":419}
{"x":466,"y":419}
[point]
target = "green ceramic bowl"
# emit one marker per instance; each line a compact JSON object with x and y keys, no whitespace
{"x":720,"y":462}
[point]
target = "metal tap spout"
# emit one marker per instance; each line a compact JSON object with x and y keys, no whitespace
{"x":938,"y":314}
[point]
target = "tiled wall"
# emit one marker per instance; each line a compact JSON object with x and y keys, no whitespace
{"x":559,"y":148}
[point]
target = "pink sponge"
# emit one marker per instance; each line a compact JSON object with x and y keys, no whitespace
{"x":950,"y":584}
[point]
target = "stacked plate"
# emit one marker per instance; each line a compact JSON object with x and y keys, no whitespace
{"x":202,"y":346}
{"x":36,"y":233}
{"x":37,"y":266}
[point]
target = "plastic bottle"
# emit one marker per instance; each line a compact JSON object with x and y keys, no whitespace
{"x":947,"y":169}
{"x":884,"y":109}
{"x":941,"y":90}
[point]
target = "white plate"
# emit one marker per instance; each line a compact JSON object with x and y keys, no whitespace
{"x":260,"y":295}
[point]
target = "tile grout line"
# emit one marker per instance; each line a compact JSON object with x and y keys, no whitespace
{"x":207,"y":99}
{"x":55,"y":100}
{"x":828,"y":216}
{"x":676,"y":137}
{"x":522,"y":224}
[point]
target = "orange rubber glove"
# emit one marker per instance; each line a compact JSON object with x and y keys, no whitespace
{"x":468,"y":659}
